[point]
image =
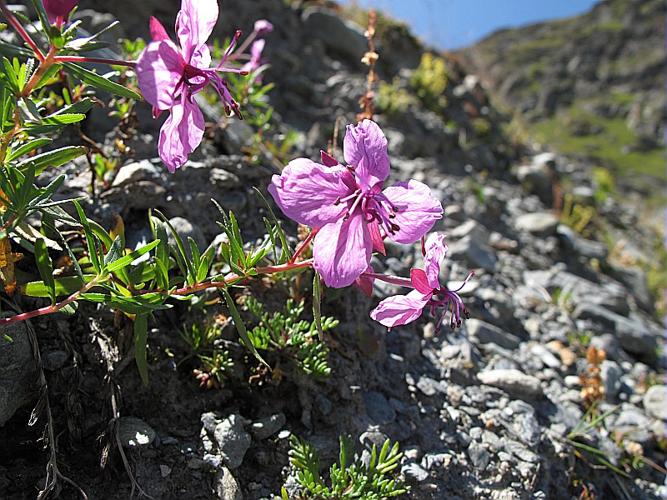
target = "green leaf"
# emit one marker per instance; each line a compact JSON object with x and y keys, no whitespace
{"x":63,"y":286}
{"x":240,"y":326}
{"x":54,"y":158}
{"x":27,"y":148}
{"x":114,"y":253}
{"x":182,"y":259}
{"x":90,"y":238}
{"x":140,"y":339}
{"x":101,"y":82}
{"x":45,"y":267}
{"x":126,"y":260}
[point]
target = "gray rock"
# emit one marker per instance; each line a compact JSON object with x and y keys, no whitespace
{"x":519,"y":418}
{"x":414,"y":471}
{"x":343,"y":37}
{"x":268,"y":426}
{"x":538,"y":224}
{"x":575,"y":243}
{"x":608,"y":343}
{"x":133,"y":173}
{"x":655,"y":401}
{"x":537,"y":179}
{"x":233,"y":440}
{"x":378,"y":408}
{"x":18,"y":372}
{"x":479,"y":456}
{"x":226,"y":485}
{"x":633,"y":424}
{"x":611,"y":375}
{"x":476,"y":254}
{"x":514,"y":382}
{"x":481,"y":332}
{"x":635,"y":279}
{"x":134,"y":432}
{"x":185,"y":230}
{"x":633,"y":334}
{"x":578,"y":289}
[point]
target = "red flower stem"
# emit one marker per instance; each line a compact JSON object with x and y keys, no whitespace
{"x":18,"y":27}
{"x":303,"y":245}
{"x":44,"y":65}
{"x":100,"y":60}
{"x":230,"y":279}
{"x":394,"y":280}
{"x":54,"y":308}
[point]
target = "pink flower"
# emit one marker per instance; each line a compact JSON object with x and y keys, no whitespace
{"x":58,"y":10}
{"x":263,"y":27}
{"x":169,"y":77}
{"x":428,"y":292}
{"x":255,"y":57}
{"x":349,"y":207}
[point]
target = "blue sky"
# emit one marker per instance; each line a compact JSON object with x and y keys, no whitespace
{"x":451,"y":24}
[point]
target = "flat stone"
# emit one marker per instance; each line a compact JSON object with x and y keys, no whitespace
{"x":134,"y":432}
{"x":538,"y":224}
{"x":18,"y":373}
{"x":476,"y":254}
{"x":233,"y":440}
{"x":226,"y":485}
{"x":655,"y":401}
{"x":481,"y":332}
{"x":514,"y":382}
{"x":267,"y":427}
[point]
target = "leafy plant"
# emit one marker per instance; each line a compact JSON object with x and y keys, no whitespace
{"x":393,"y":99}
{"x":350,"y":477}
{"x":292,"y":336}
{"x":429,"y":81}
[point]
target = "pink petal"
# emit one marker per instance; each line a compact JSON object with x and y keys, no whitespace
{"x":307,"y":192}
{"x":376,"y":237}
{"x":416,"y":210}
{"x":400,"y":309}
{"x":262,"y":27}
{"x":58,"y":9}
{"x":327,"y":159}
{"x":420,"y":281}
{"x":194,"y":25}
{"x":160,"y":69}
{"x":435,"y":250}
{"x":342,"y":250}
{"x":365,"y":149}
{"x":181,"y":133}
{"x":158,"y":33}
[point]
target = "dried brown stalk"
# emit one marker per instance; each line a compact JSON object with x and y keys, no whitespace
{"x":370,"y":58}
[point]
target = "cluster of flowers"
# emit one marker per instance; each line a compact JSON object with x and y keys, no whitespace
{"x":351,"y":215}
{"x":346,"y":207}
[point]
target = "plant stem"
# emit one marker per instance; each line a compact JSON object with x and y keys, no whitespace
{"x":303,"y":245}
{"x":44,"y":65}
{"x":54,"y":308}
{"x":100,"y":60}
{"x":11,"y":19}
{"x":230,"y":279}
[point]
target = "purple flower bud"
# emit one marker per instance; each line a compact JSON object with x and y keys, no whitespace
{"x":262,"y":27}
{"x":58,"y":10}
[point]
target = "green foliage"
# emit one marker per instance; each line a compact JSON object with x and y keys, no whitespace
{"x":350,"y":477}
{"x":393,"y":99}
{"x":290,"y":335}
{"x":604,"y":183}
{"x":429,"y":81}
{"x":579,"y":217}
{"x":216,"y":363}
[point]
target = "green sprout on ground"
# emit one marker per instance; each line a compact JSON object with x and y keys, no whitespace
{"x":351,"y":477}
{"x":291,"y":336}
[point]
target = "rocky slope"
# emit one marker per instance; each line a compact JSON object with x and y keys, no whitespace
{"x":486,"y":411}
{"x":591,"y":84}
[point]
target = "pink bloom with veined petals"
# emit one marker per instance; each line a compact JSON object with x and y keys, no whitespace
{"x":58,"y":10}
{"x":349,"y":207}
{"x":169,"y":76}
{"x":403,"y":309}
